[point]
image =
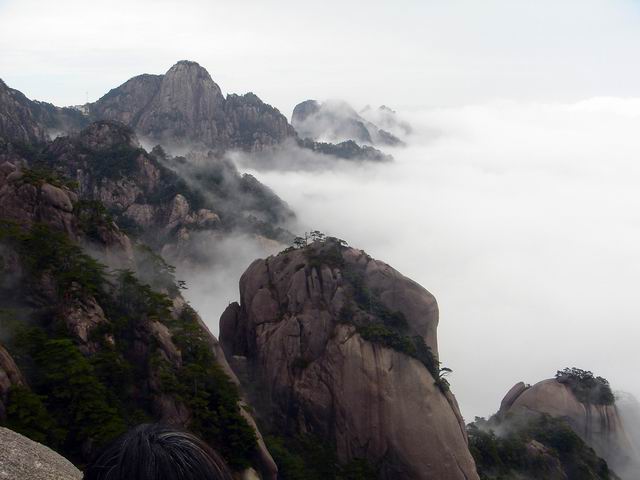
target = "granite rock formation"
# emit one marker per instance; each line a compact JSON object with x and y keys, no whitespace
{"x":327,"y":340}
{"x":24,"y":459}
{"x":185,"y":107}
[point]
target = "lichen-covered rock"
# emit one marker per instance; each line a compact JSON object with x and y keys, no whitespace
{"x":309,"y":370}
{"x":24,"y":459}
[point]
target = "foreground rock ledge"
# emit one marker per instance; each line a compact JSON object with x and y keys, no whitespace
{"x":24,"y":459}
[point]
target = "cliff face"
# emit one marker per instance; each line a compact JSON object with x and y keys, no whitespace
{"x":599,"y":425}
{"x":323,"y":337}
{"x":185,"y":107}
{"x":90,"y":350}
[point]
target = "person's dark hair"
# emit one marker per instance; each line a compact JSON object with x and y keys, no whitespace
{"x":157,"y":452}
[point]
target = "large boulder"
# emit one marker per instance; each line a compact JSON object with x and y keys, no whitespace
{"x":24,"y":459}
{"x":303,"y":339}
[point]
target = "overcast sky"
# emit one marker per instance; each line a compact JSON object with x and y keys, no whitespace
{"x":517,"y":201}
{"x":404,"y":53}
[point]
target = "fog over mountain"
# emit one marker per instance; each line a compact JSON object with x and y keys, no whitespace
{"x":522,"y":219}
{"x":470,"y":223}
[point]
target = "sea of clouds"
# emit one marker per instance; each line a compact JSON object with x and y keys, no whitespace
{"x":522,"y":219}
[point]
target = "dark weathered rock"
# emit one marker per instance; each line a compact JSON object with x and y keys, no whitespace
{"x":310,"y":372}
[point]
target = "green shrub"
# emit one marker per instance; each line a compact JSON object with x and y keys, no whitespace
{"x":27,"y":414}
{"x":586,"y":387}
{"x":71,"y":391}
{"x":44,"y":250}
{"x":40,"y":175}
{"x":308,"y":457}
{"x":93,"y":218}
{"x":209,"y":393}
{"x":113,"y":162}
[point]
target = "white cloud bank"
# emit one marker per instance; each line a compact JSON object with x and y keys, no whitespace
{"x":522,"y":219}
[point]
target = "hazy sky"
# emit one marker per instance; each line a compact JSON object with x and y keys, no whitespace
{"x":404,"y":53}
{"x":517,"y":202}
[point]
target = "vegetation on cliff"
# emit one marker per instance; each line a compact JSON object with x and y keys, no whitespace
{"x":84,"y":393}
{"x":373,"y":320}
{"x":586,"y":387}
{"x":306,"y":457}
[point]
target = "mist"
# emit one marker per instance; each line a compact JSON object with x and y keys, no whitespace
{"x":213,"y":285}
{"x":523,"y":220}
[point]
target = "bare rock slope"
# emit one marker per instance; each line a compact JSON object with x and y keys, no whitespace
{"x":333,"y":343}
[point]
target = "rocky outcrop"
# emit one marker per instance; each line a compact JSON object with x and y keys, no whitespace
{"x":337,"y":121}
{"x":28,"y":199}
{"x":24,"y":459}
{"x":600,"y":426}
{"x":302,"y":338}
{"x":185,"y":107}
{"x":26,"y":121}
{"x":167,"y":199}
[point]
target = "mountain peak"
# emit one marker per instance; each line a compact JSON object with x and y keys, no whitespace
{"x":189,"y":67}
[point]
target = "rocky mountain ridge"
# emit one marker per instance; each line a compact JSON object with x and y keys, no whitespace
{"x":182,"y":110}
